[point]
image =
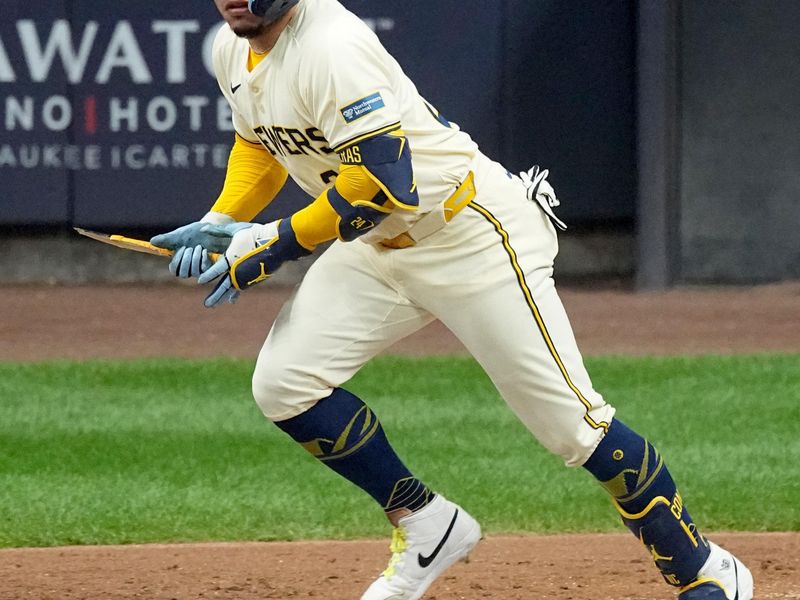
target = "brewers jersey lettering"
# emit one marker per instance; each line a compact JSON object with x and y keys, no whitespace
{"x":327,"y":83}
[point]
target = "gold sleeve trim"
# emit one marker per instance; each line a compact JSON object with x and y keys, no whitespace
{"x":366,"y":136}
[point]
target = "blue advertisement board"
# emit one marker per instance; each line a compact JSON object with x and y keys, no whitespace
{"x":111,"y":118}
{"x":35,"y":123}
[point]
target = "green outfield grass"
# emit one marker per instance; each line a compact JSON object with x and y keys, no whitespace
{"x":176,"y":450}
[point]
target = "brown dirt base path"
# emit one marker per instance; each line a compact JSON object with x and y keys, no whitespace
{"x":40,"y":323}
{"x":567,"y":567}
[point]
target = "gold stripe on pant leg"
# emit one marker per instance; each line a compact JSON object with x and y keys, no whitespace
{"x":537,"y":316}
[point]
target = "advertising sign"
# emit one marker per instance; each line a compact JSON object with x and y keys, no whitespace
{"x":110,"y":115}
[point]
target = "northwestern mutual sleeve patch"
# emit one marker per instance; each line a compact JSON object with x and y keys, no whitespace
{"x":362,"y":107}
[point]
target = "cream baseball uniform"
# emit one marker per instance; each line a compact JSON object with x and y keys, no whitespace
{"x":436,"y":230}
{"x":486,"y":274}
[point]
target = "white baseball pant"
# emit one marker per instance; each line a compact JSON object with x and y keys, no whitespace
{"x":487,"y":276}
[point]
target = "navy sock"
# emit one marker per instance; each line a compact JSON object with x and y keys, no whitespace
{"x":342,"y":432}
{"x":645,"y":495}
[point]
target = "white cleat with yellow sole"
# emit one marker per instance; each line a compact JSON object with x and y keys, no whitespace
{"x":423,"y":546}
{"x":723,"y":577}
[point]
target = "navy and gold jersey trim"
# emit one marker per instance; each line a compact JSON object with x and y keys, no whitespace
{"x":537,"y":316}
{"x":437,"y":115}
{"x":366,"y":136}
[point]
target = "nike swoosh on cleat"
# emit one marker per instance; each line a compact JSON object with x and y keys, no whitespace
{"x":425,"y":561}
{"x":736,"y":578}
{"x":235,"y":87}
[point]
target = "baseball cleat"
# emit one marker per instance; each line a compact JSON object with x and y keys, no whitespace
{"x":723,"y":577}
{"x":423,"y":546}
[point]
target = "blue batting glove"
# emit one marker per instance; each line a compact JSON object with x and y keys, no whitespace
{"x":189,"y":262}
{"x":224,"y":233}
{"x":222,"y":292}
{"x":188,"y":235}
{"x":221,"y":267}
{"x":193,"y":242}
{"x":192,"y":235}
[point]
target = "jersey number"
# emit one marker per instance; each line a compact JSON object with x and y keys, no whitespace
{"x":328,"y":176}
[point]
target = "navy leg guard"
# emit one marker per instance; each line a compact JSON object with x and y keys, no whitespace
{"x":634,"y":473}
{"x":345,"y":434}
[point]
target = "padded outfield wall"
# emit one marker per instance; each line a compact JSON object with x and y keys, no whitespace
{"x":740,"y":140}
{"x":718,"y":142}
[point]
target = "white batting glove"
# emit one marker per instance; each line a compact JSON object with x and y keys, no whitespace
{"x":539,"y":190}
{"x":246,"y":238}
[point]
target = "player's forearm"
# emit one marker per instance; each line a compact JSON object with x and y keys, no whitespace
{"x":316,"y":223}
{"x":253,"y":179}
{"x":351,"y":207}
{"x":257,"y":251}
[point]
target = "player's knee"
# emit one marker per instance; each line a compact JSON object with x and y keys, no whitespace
{"x":265,"y":397}
{"x":570,"y":436}
{"x":282,"y":393}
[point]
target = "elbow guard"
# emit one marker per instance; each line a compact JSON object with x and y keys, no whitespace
{"x":357,"y":218}
{"x":387,"y":160}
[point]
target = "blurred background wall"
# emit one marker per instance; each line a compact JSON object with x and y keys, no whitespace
{"x":669,"y":126}
{"x":740,"y":143}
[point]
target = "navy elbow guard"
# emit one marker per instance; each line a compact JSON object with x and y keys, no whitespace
{"x":357,"y":218}
{"x":387,"y":160}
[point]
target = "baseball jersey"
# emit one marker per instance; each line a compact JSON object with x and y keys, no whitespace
{"x":329,"y":82}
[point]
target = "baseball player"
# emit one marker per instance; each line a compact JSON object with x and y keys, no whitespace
{"x":424,"y":226}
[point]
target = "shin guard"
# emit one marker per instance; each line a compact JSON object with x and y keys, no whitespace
{"x":342,"y":432}
{"x":646,"y":497}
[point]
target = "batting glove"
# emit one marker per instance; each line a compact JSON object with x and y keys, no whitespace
{"x":191,"y":235}
{"x":539,"y":190}
{"x":189,"y":261}
{"x":192,"y":243}
{"x":253,"y":256}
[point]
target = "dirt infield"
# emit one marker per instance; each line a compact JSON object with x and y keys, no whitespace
{"x":568,"y":567}
{"x":571,"y":567}
{"x":125,"y":322}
